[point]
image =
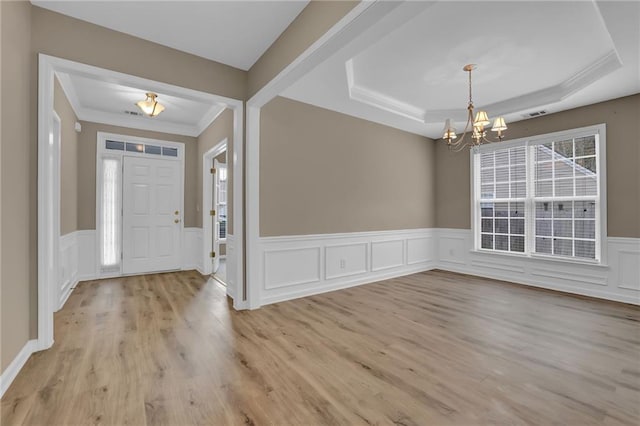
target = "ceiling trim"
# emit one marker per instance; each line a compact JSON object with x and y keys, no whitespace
{"x":65,"y":69}
{"x":209,"y":117}
{"x":595,"y":71}
{"x":136,"y":122}
{"x":380,"y":100}
{"x":70,"y":92}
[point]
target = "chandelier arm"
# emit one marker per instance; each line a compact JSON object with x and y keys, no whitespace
{"x":466,"y":129}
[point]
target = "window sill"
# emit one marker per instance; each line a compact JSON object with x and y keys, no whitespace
{"x":541,"y":257}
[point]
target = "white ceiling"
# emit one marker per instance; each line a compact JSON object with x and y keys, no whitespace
{"x":406,"y":71}
{"x":101,"y":99}
{"x":235,"y":33}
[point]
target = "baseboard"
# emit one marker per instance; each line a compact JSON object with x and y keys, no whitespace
{"x":370,"y":279}
{"x":11,"y":372}
{"x":66,"y":291}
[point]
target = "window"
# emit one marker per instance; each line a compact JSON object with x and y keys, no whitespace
{"x":110,"y":211}
{"x":542,"y":196}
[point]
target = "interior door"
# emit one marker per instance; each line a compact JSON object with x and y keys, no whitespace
{"x":151,"y":215}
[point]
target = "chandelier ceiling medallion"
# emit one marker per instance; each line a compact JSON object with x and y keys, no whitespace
{"x":150,"y":106}
{"x":476,"y":125}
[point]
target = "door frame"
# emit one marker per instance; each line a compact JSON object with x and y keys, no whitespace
{"x":102,"y":152}
{"x":55,"y":176}
{"x":207,"y":191}
{"x":47,"y":255}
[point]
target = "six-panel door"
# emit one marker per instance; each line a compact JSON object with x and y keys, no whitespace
{"x":151,"y":216}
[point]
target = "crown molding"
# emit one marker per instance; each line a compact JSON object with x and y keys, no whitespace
{"x":136,"y":122}
{"x":65,"y":69}
{"x":209,"y":117}
{"x":583,"y":78}
{"x":379,"y":100}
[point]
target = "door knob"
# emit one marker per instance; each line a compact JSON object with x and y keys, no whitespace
{"x":176,"y":212}
{"x":176,"y":221}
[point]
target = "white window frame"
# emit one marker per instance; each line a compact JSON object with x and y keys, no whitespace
{"x":101,"y":153}
{"x":601,"y":203}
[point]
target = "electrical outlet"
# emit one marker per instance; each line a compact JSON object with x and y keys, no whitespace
{"x":343,"y":263}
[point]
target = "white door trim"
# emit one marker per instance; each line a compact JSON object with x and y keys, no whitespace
{"x":207,"y":190}
{"x":47,"y":258}
{"x":101,"y":153}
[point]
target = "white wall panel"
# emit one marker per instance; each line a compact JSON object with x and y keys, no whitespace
{"x":618,"y":280}
{"x":420,"y":250}
{"x":87,"y":255}
{"x":288,"y":267}
{"x":68,"y":267}
{"x":387,"y":254}
{"x":192,"y":249}
{"x":345,"y":260}
{"x":302,"y":265}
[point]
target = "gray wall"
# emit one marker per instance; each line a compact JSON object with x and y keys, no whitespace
{"x":325,"y":172}
{"x":17,"y":265}
{"x":68,"y":161}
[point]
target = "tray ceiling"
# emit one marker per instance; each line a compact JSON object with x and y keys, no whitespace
{"x":407,"y":72}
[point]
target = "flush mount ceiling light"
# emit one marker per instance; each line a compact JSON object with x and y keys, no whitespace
{"x":476,"y":125}
{"x":150,"y":106}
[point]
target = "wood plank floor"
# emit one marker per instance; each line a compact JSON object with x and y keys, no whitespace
{"x":432,"y":348}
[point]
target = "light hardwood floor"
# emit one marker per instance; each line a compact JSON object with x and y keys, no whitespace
{"x":432,"y":348}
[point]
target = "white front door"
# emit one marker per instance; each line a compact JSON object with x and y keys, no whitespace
{"x":151,"y":215}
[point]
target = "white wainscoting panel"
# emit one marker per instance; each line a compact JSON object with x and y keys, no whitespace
{"x":387,"y":254}
{"x":420,"y":250}
{"x":343,"y":260}
{"x":68,"y":267}
{"x":231,"y":267}
{"x":302,"y":265}
{"x":288,"y":267}
{"x":192,"y":247}
{"x":87,"y":256}
{"x":626,"y":261}
{"x":619,"y":280}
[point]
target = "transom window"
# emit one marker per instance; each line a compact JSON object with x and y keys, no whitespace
{"x":542,"y":195}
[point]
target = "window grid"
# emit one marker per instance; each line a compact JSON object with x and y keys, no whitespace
{"x":561,"y":174}
{"x":502,"y":200}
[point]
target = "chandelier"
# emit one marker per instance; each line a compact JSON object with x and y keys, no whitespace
{"x":150,"y":106}
{"x":477,"y":126}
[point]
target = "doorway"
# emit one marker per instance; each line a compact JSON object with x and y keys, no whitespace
{"x":216,"y":209}
{"x":89,"y":254}
{"x":219,"y":217}
{"x":139,"y":204}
